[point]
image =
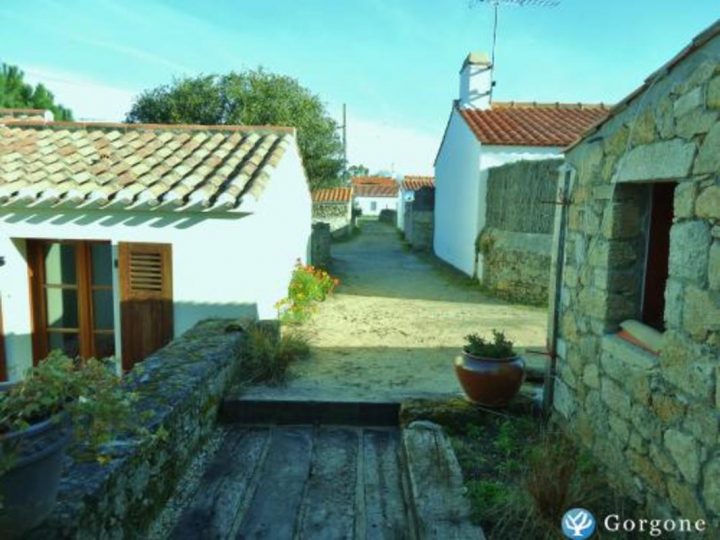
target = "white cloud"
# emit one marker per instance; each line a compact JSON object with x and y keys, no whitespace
{"x":87,"y":98}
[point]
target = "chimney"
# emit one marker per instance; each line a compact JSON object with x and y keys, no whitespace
{"x":476,"y":81}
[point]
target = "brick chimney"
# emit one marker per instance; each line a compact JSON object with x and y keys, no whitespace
{"x":476,"y":81}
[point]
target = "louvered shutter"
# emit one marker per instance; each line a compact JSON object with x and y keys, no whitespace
{"x":146,"y":306}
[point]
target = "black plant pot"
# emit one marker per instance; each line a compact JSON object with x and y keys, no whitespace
{"x":29,"y":488}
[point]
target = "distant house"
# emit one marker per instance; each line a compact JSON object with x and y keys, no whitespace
{"x":481,"y":134}
{"x":372,"y":194}
{"x":408,"y":187}
{"x":334,"y":207}
{"x":132,"y":233}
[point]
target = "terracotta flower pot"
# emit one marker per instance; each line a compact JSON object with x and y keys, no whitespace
{"x":491,"y":382}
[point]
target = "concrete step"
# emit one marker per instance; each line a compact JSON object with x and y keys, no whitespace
{"x":436,"y":488}
{"x":286,"y":412}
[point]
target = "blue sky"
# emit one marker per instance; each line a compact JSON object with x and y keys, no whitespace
{"x":394,"y":62}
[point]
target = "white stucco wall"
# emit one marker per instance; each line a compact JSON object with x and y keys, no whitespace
{"x":224,"y":265}
{"x":382,"y":203}
{"x":456,"y":195}
{"x":403,"y":197}
{"x":461,"y":190}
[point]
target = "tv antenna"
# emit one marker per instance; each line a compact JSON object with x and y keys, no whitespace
{"x":496,"y":5}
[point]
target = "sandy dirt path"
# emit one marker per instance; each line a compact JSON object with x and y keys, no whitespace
{"x":395,"y":324}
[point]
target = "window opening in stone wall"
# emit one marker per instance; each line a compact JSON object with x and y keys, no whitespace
{"x":658,"y":254}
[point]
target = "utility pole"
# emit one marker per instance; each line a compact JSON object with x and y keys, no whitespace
{"x":344,"y":140}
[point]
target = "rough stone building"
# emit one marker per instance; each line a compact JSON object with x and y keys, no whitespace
{"x":334,"y":207}
{"x":643,"y":244}
{"x":419,"y":219}
{"x":406,"y":194}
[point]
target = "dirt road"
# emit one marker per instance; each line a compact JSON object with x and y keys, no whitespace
{"x":395,"y":324}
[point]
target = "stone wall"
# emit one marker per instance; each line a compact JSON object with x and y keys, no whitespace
{"x":653,"y":420}
{"x":179,"y":389}
{"x":419,"y":219}
{"x":515,"y":244}
{"x":337,"y":215}
{"x":320,"y":245}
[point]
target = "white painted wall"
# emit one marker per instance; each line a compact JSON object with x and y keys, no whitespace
{"x":224,"y":265}
{"x":456,"y":195}
{"x":461,"y":172}
{"x":381,"y":203}
{"x":404,"y":196}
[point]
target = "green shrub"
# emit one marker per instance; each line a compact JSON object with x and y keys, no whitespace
{"x":500,"y":347}
{"x":88,"y":390}
{"x":308,"y":286}
{"x":265,"y":356}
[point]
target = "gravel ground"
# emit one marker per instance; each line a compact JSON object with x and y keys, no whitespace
{"x":395,"y":324}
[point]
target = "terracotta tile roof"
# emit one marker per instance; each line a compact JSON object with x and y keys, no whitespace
{"x":25,"y":114}
{"x":413,"y":183}
{"x":364,"y":190}
{"x":332,"y":195}
{"x":532,"y":124}
{"x":373,"y":181}
{"x":136,"y":166}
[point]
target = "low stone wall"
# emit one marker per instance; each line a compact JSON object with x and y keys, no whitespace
{"x":419,"y":219}
{"x":337,"y":215}
{"x":514,"y":247}
{"x":320,"y":245}
{"x":179,"y":389}
{"x":516,"y":266}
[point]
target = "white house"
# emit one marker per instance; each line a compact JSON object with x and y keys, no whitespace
{"x":372,"y":194}
{"x":334,"y":207}
{"x":116,"y":237}
{"x":408,"y":187}
{"x":481,"y":134}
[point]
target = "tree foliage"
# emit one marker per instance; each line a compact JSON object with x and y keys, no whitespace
{"x":253,"y":97}
{"x":15,"y":93}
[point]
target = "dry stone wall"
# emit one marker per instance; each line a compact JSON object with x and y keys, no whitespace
{"x":337,"y":215}
{"x":179,"y":389}
{"x":653,"y":420}
{"x":516,"y":242}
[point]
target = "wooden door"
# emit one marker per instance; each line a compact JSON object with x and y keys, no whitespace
{"x":72,"y":298}
{"x":658,"y":256}
{"x":146,"y":306}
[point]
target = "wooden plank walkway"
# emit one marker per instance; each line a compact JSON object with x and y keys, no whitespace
{"x":302,"y":482}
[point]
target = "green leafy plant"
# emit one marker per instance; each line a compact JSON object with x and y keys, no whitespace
{"x":265,"y":355}
{"x":89,"y":391}
{"x":308,"y":286}
{"x":499,"y":347}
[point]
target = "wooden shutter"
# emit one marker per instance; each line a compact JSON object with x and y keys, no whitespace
{"x":146,"y":305}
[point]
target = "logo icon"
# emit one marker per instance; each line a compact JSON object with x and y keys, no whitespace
{"x":578,"y":523}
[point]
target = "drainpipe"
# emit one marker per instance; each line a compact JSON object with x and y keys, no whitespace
{"x":566,"y":175}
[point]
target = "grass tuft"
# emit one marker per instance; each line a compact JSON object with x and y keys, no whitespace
{"x":266,"y":356}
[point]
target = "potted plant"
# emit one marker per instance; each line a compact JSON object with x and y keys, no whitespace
{"x":490,"y":371}
{"x":57,"y":398}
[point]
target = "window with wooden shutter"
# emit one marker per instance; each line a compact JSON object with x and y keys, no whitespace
{"x":146,"y":308}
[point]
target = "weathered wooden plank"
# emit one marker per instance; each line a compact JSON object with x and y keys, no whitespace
{"x":328,"y":510}
{"x":224,"y":487}
{"x":441,"y":510}
{"x":274,"y":508}
{"x":385,"y":512}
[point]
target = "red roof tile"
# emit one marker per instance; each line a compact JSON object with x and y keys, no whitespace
{"x":413,"y":183}
{"x":532,"y":124}
{"x":332,"y":195}
{"x":374,"y":181}
{"x":364,"y":190}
